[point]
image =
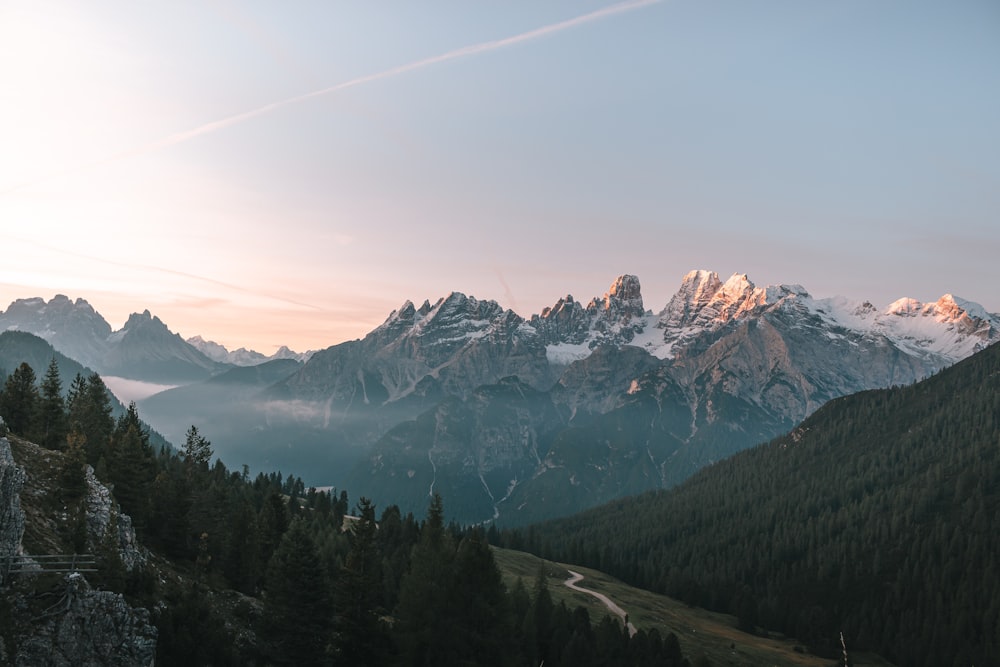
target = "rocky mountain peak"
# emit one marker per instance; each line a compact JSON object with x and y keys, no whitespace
{"x":626,"y":291}
{"x":73,"y":328}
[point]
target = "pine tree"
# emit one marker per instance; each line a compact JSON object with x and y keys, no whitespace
{"x":478,"y":606}
{"x":19,"y":400}
{"x":360,"y":637}
{"x":197,"y":450}
{"x":297,"y":606}
{"x":90,"y":406}
{"x":424,"y":594}
{"x":131,"y":469}
{"x":240,"y":563}
{"x":72,"y":476}
{"x":51,"y":420}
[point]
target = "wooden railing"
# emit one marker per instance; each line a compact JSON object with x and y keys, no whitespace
{"x":47,"y":563}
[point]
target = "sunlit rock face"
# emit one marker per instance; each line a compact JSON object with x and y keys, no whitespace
{"x":644,"y":400}
{"x":620,"y":397}
{"x":613,"y":319}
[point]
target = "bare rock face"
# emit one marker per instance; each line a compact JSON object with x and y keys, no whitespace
{"x":613,"y":319}
{"x":90,"y":627}
{"x":84,"y":627}
{"x":104,"y":515}
{"x":11,"y":516}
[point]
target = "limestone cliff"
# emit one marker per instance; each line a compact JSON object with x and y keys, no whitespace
{"x":50,"y":622}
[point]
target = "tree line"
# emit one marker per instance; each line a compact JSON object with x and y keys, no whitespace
{"x":877,"y":517}
{"x":315,"y":581}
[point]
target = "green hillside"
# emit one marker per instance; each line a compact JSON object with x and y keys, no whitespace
{"x":876,"y":517}
{"x":701,"y":633}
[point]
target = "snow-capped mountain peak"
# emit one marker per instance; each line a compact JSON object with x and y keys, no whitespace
{"x":242,"y":356}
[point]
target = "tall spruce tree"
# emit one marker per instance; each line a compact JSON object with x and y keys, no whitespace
{"x":19,"y":400}
{"x":51,"y":425}
{"x":424,"y":594}
{"x":90,"y":406}
{"x":360,"y":637}
{"x":297,"y":609}
{"x":478,"y":607}
{"x":197,"y":450}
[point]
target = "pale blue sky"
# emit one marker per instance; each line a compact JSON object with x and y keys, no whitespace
{"x":851,"y":147}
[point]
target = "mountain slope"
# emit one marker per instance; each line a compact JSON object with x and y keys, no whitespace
{"x":146,"y":349}
{"x":874,"y":517}
{"x":143,"y":349}
{"x":642,"y":399}
{"x":18,"y":346}
{"x":646,"y":400}
{"x":73,"y":328}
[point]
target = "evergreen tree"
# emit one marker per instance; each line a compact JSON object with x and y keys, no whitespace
{"x":131,"y":468}
{"x":51,"y":420}
{"x":480,"y":633}
{"x":240,"y":563}
{"x":90,"y":407}
{"x":170,"y":503}
{"x":197,"y":450}
{"x":297,"y":606}
{"x":72,"y":476}
{"x":273,"y":520}
{"x":360,"y":637}
{"x":424,"y":594}
{"x":19,"y":400}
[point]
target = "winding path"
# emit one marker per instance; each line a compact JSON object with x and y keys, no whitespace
{"x":576,"y":577}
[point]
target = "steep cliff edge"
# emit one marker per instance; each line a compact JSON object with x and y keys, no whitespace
{"x":50,"y":618}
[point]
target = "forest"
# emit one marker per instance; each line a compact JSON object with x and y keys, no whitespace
{"x":314,"y":580}
{"x":877,"y":517}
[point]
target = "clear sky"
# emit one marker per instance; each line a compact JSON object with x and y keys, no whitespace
{"x":267,"y":173}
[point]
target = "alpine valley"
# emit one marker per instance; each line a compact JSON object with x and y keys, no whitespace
{"x":519,"y":419}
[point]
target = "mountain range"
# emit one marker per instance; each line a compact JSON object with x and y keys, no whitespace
{"x":872,"y":523}
{"x":518,"y":419}
{"x":144,"y":349}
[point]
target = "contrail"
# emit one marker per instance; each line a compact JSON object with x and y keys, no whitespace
{"x":464,"y":52}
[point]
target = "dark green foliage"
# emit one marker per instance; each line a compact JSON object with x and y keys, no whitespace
{"x":197,"y":449}
{"x":876,"y":517}
{"x":90,"y":406}
{"x":360,"y":636}
{"x":424,"y":594}
{"x":51,"y":425}
{"x":394,"y":592}
{"x":19,"y":400}
{"x":72,"y":477}
{"x":192,"y":633}
{"x":240,"y":564}
{"x":478,"y":608}
{"x":273,"y":521}
{"x":297,"y":609}
{"x":131,"y":466}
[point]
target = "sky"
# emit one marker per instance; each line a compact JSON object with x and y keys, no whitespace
{"x":269,"y":173}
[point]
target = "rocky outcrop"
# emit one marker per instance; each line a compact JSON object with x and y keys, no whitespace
{"x":614,"y":319}
{"x":104,"y":517}
{"x":11,"y":516}
{"x":89,"y":628}
{"x":83,"y":626}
